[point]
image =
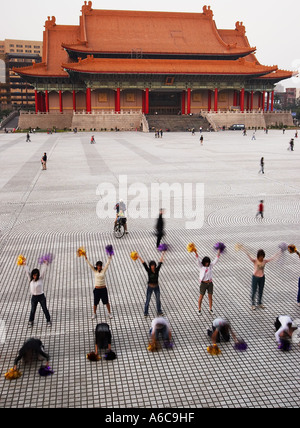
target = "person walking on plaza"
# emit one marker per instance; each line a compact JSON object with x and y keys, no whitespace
{"x":153,"y":286}
{"x":93,"y":140}
{"x":258,"y":276}
{"x":201,"y":139}
{"x":260,"y":210}
{"x":159,"y":227}
{"x":28,"y":138}
{"x":100,"y":289}
{"x":36,"y":279}
{"x":262,"y":166}
{"x":205,"y":279}
{"x":44,"y":161}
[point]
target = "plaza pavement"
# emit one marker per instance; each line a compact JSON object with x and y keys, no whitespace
{"x":56,"y":211}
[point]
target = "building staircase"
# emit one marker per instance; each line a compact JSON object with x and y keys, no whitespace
{"x":177,"y":123}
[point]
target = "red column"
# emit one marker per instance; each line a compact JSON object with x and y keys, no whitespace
{"x":268,"y":101}
{"x":188,"y":107}
{"x":242,"y":100}
{"x":88,"y":100}
{"x":143,"y":102}
{"x":47,"y":101}
{"x":216,"y":100}
{"x":36,"y":101}
{"x":147,"y":101}
{"x":74,"y":101}
{"x":118,"y":100}
{"x":251,"y":101}
{"x":272,"y":101}
{"x":60,"y":102}
{"x":183,"y":102}
{"x":209,"y":100}
{"x":234,"y":98}
{"x":263,"y":98}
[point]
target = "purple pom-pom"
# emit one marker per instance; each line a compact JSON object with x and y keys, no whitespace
{"x":283,"y":246}
{"x":109,"y":250}
{"x":168,"y":345}
{"x":220,"y":246}
{"x":162,"y":247}
{"x":47,"y":258}
{"x":45,"y":371}
{"x":241,"y":346}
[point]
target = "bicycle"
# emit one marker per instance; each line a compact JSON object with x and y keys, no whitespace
{"x":119,"y":229}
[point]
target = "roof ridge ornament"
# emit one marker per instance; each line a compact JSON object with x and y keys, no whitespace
{"x":240,"y":27}
{"x":50,"y":23}
{"x":207,"y":11}
{"x":87,"y":7}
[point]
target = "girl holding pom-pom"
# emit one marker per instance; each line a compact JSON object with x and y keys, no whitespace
{"x":258,"y":277}
{"x":205,"y":279}
{"x":100,"y":290}
{"x":36,"y":279}
{"x":153,"y":287}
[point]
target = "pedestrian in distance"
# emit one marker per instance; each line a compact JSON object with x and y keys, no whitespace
{"x":159,"y":227}
{"x":262,"y":166}
{"x":260,"y":210}
{"x":28,"y":138}
{"x":44,"y":161}
{"x":201,"y":139}
{"x":93,"y":140}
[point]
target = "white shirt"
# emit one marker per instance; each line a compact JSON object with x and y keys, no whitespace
{"x":284,"y":320}
{"x":206,"y":271}
{"x":36,"y":287}
{"x":219,"y":322}
{"x":160,"y":321}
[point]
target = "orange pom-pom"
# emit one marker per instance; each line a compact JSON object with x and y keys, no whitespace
{"x":134,"y":255}
{"x":21,"y":260}
{"x":81,"y":252}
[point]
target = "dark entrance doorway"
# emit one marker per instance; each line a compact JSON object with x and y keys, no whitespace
{"x":164,"y":102}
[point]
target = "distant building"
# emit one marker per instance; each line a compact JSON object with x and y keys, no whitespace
{"x":288,"y":97}
{"x":170,"y":63}
{"x":16,"y":54}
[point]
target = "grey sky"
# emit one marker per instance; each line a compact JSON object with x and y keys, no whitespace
{"x":270,"y":28}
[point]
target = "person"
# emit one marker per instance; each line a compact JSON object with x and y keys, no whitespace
{"x":28,"y":138}
{"x":100,"y":289}
{"x":284,"y":331}
{"x":253,"y":135}
{"x":260,"y":210}
{"x":160,"y":327}
{"x":292,"y":144}
{"x":93,"y":140}
{"x":258,"y":276}
{"x":221,"y":330}
{"x":153,"y":286}
{"x":205,"y":279}
{"x":36,"y":279}
{"x":201,"y":139}
{"x":262,"y":166}
{"x":44,"y":161}
{"x":102,"y":338}
{"x":32,"y":348}
{"x":159,"y":227}
{"x":120,"y":208}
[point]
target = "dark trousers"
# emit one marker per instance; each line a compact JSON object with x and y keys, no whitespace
{"x":257,"y":282}
{"x":41,"y":299}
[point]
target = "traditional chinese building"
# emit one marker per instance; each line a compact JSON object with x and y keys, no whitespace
{"x":154,"y":62}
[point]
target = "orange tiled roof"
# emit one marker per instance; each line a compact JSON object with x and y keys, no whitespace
{"x":155,"y":66}
{"x":152,"y":32}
